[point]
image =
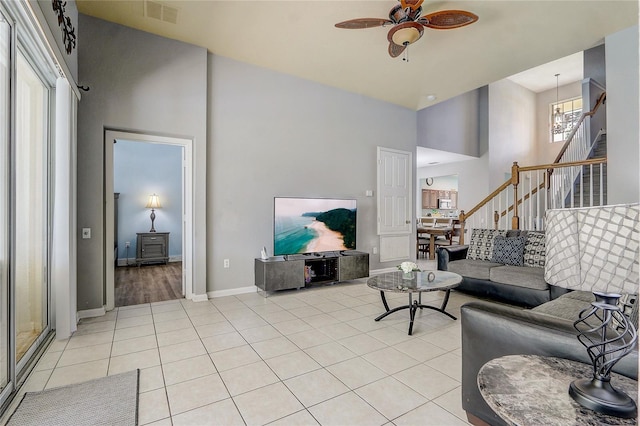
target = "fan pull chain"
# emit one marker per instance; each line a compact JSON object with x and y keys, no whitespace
{"x":406,"y":54}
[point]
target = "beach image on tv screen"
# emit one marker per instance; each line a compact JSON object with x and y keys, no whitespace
{"x":308,"y":225}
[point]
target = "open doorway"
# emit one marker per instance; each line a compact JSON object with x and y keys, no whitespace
{"x":147,"y":183}
{"x":153,"y":258}
{"x":438,"y":197}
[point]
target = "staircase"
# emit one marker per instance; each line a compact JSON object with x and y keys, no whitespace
{"x":577,"y":178}
{"x":593,"y":185}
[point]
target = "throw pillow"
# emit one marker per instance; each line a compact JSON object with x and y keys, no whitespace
{"x":534,"y":249}
{"x":509,"y":250}
{"x":481,"y":244}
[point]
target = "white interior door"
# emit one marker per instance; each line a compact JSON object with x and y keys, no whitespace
{"x":394,"y":203}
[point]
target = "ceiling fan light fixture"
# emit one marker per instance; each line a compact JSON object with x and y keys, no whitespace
{"x":406,"y":33}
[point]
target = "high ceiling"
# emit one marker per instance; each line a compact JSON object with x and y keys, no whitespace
{"x":299,"y":38}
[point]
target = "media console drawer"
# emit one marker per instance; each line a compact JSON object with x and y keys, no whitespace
{"x":152,"y":247}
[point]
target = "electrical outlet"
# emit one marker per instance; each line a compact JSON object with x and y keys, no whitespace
{"x":86,"y":233}
{"x":226,"y":263}
{"x":375,"y":250}
{"x":127,"y":244}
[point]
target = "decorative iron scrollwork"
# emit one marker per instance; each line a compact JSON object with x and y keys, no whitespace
{"x":68,"y":32}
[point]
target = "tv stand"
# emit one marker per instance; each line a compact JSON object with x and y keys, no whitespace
{"x":297,"y":271}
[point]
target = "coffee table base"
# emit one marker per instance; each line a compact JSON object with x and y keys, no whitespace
{"x":413,"y":307}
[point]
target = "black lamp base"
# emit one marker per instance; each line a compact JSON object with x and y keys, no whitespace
{"x":598,"y":395}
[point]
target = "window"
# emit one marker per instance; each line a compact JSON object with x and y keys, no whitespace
{"x":563,"y":117}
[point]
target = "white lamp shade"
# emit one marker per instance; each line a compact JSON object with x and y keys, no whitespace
{"x":154,"y":202}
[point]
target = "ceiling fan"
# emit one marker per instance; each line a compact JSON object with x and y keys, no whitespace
{"x":408,"y":25}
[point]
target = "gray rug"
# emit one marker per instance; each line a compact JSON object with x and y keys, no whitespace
{"x":111,"y":400}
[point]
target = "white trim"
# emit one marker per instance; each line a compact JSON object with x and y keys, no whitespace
{"x":199,"y":298}
{"x":188,"y":208}
{"x":91,"y":313}
{"x":232,"y":292}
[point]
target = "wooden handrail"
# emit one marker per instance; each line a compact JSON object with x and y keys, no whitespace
{"x":550,"y":168}
{"x":600,"y":101}
{"x":546,"y":167}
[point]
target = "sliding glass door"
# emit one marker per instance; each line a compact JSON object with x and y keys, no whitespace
{"x":30,"y":223}
{"x":26,"y":81}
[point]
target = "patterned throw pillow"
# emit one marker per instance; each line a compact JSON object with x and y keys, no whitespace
{"x":481,"y":245}
{"x":534,"y":249}
{"x":509,"y":251}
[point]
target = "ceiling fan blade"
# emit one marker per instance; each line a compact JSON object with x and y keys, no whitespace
{"x":395,"y":50}
{"x":413,"y":4}
{"x":448,"y":19}
{"x":359,"y":23}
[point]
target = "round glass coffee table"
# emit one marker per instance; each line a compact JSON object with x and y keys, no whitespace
{"x":420,"y":282}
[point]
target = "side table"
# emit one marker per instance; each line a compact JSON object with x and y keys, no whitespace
{"x":534,"y":390}
{"x":152,"y":247}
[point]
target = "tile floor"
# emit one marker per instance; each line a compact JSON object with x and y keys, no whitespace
{"x":308,"y":357}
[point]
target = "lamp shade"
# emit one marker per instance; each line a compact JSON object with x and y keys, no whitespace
{"x":154,"y":202}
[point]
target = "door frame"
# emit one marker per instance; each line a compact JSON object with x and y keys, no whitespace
{"x":187,"y":207}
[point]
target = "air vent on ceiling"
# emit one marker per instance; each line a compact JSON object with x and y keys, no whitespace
{"x":162,"y":12}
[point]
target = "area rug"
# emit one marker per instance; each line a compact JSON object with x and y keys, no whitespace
{"x":111,"y":400}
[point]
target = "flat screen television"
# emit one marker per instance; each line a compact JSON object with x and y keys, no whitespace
{"x":313,"y":225}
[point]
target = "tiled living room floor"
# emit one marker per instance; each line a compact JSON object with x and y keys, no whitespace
{"x":314,"y":356}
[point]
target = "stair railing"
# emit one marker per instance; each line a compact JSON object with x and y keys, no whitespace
{"x":577,"y":147}
{"x":521,"y":201}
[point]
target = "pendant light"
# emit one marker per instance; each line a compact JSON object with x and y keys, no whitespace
{"x":558,"y":116}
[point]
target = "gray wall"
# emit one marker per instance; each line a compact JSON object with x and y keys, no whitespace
{"x":623,"y":132}
{"x":139,"y":82}
{"x":452,"y":125}
{"x":594,"y":64}
{"x":273,"y":135}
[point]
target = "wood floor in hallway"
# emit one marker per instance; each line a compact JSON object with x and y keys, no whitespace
{"x":148,"y":283}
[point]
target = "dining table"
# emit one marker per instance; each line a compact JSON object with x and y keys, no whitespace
{"x":434,"y":231}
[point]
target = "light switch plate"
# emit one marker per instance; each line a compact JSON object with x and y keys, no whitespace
{"x":86,"y":233}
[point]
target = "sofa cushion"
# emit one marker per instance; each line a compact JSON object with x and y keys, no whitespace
{"x":481,"y":245}
{"x":568,"y":306}
{"x":519,"y":276}
{"x":509,"y":251}
{"x":472,"y":268}
{"x":534,"y":250}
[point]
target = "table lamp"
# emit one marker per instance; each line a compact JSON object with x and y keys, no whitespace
{"x":153,"y":203}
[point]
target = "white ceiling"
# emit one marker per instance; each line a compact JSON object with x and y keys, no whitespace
{"x":299,"y":38}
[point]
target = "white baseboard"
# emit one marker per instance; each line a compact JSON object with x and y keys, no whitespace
{"x":90,"y":313}
{"x":232,"y":291}
{"x":199,"y":297}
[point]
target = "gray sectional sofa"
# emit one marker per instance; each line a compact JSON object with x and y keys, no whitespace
{"x":501,"y":265}
{"x":586,"y":250}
